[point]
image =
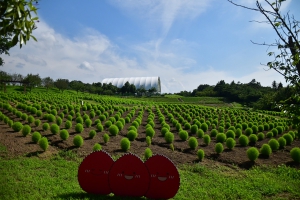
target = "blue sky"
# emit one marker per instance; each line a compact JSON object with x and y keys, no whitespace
{"x":185,"y":43}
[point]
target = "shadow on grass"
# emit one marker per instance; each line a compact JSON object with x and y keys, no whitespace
{"x":247,"y":164}
{"x":83,"y":195}
{"x":35,"y":153}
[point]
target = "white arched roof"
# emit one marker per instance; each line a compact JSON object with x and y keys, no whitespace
{"x":146,"y":82}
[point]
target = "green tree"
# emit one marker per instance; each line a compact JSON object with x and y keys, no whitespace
{"x":286,"y":61}
{"x":47,"y":82}
{"x":16,"y":23}
{"x":34,"y":80}
{"x":62,"y":84}
{"x":77,"y":85}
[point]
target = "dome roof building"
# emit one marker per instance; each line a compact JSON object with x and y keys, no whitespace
{"x":146,"y":82}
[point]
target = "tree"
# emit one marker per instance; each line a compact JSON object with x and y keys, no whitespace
{"x":47,"y":82}
{"x":274,"y":85}
{"x":77,"y":85}
{"x":16,"y":23}
{"x":34,"y":80}
{"x":62,"y":84}
{"x":287,"y":61}
{"x":125,"y":88}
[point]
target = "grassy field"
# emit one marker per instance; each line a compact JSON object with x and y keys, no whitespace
{"x":56,"y":178}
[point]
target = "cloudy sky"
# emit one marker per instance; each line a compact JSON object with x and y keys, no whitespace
{"x":184,"y":42}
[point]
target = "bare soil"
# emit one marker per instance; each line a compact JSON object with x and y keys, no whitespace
{"x":18,"y":145}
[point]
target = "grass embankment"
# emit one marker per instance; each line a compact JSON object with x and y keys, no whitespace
{"x":56,"y":178}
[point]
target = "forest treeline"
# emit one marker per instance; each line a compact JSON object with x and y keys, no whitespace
{"x":251,"y":94}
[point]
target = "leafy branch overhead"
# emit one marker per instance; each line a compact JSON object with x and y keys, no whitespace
{"x":17,"y":21}
{"x":287,"y":58}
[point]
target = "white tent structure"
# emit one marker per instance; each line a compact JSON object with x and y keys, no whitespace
{"x":146,"y":82}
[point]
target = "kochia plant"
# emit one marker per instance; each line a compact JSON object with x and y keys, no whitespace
{"x":193,"y":143}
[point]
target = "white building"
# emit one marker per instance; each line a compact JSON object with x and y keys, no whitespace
{"x":146,"y":82}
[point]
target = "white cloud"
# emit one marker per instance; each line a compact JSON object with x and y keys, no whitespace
{"x":86,"y":66}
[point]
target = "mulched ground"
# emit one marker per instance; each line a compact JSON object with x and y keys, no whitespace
{"x":18,"y":145}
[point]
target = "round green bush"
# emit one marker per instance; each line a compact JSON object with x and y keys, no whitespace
{"x":178,"y":126}
{"x":295,"y":154}
{"x":88,"y":123}
{"x":105,"y":138}
{"x":248,"y":131}
{"x":51,"y":118}
{"x":26,"y":130}
{"x":113,"y":130}
{"x":17,"y":126}
{"x":193,"y":143}
{"x":58,"y":121}
{"x":24,"y":116}
{"x":282,"y":142}
{"x":253,"y":138}
{"x":243,"y":140}
{"x":148,"y":141}
{"x":78,"y":141}
{"x":164,"y":130}
{"x":125,"y":144}
{"x":252,"y":153}
{"x":102,"y":117}
{"x":36,"y":136}
{"x":107,"y":124}
{"x":147,"y":153}
{"x":230,"y":143}
{"x":279,"y":129}
{"x":131,"y":135}
{"x":221,"y":137}
{"x":206,"y":139}
{"x":119,"y":125}
{"x":43,"y":142}
{"x":261,"y":136}
{"x":274,"y":144}
{"x":219,"y":148}
{"x":200,"y":154}
{"x":275,"y":132}
{"x":68,"y":124}
{"x":70,"y":118}
{"x":54,"y":128}
{"x":79,"y":128}
{"x":10,"y":123}
{"x":269,"y":134}
{"x":150,"y":132}
{"x":288,"y":138}
{"x":169,"y":137}
{"x":97,"y":147}
{"x":64,"y":134}
{"x":200,"y":133}
{"x":135,"y":124}
{"x":46,"y":126}
{"x":230,"y":134}
{"x":221,"y":129}
{"x":37,"y":122}
{"x":238,"y":132}
{"x":204,"y":127}
{"x":260,"y":128}
{"x":99,"y":127}
{"x":184,"y":135}
{"x":213,"y":132}
{"x":266,"y":150}
{"x":79,"y":119}
{"x":292,"y":133}
{"x":194,"y":129}
{"x":30,"y":119}
{"x":92,"y":133}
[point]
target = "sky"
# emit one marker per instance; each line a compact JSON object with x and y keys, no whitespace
{"x":185,"y":43}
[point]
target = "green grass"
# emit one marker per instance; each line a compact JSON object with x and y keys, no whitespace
{"x":56,"y":178}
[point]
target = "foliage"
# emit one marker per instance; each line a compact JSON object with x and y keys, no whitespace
{"x":113,"y":130}
{"x":230,"y":143}
{"x":282,"y":142}
{"x":219,"y":148}
{"x":43,"y":142}
{"x":131,"y":135}
{"x":295,"y":154}
{"x":274,"y":144}
{"x":46,"y":126}
{"x":193,"y":142}
{"x":243,"y":140}
{"x":169,"y":137}
{"x":147,"y":153}
{"x":221,"y":137}
{"x":289,"y":139}
{"x":97,"y":147}
{"x":64,"y":134}
{"x":206,"y":139}
{"x":17,"y":126}
{"x":105,"y":137}
{"x":78,"y":141}
{"x":125,"y":144}
{"x":61,"y":84}
{"x":266,"y":150}
{"x":184,"y":135}
{"x":253,"y":138}
{"x":252,"y":153}
{"x":26,"y":130}
{"x":36,"y":136}
{"x":79,"y":128}
{"x":200,"y":154}
{"x":68,"y":124}
{"x":148,"y":141}
{"x":54,"y":128}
